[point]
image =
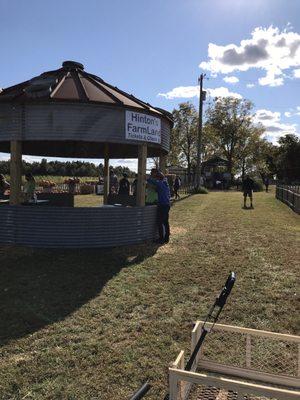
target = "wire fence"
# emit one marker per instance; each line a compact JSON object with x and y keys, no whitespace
{"x":290,"y":195}
{"x":186,"y":188}
{"x":239,"y":364}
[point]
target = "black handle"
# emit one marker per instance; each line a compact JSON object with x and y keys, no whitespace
{"x":221,"y":300}
{"x":141,"y":392}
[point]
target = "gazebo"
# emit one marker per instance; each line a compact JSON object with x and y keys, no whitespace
{"x":215,"y":170}
{"x":71,"y":113}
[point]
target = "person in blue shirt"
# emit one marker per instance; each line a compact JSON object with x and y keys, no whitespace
{"x":163,"y":204}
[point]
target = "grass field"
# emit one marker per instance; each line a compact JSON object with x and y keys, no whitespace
{"x":93,"y":324}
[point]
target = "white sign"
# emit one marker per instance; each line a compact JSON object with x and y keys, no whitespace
{"x":142,"y":127}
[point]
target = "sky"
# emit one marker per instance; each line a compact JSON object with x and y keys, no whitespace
{"x":157,"y":49}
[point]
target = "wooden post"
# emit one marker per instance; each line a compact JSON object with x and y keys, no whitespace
{"x":248,"y":351}
{"x":141,"y":184}
{"x":106,"y":173}
{"x":163,"y":163}
{"x":15,"y":172}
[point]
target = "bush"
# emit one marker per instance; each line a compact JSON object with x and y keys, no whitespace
{"x":201,"y":190}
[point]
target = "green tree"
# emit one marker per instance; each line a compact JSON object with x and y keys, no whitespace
{"x":288,"y":158}
{"x":232,"y":129}
{"x":184,"y":137}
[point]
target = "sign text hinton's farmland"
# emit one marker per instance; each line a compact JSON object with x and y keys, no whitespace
{"x":143,"y":127}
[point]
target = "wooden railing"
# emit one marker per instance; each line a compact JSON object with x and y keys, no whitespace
{"x":241,"y":360}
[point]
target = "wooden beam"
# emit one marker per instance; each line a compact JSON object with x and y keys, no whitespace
{"x":106,"y":174}
{"x":141,"y":184}
{"x":246,"y":373}
{"x":15,"y":172}
{"x":254,"y":332}
{"x":163,"y":163}
{"x":231,"y":384}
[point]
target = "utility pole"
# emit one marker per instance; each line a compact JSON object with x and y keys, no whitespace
{"x":199,"y":141}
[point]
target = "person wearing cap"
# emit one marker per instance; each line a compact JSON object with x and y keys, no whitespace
{"x":4,"y":185}
{"x":163,"y":205}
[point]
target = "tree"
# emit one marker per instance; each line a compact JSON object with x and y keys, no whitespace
{"x":250,"y":156}
{"x":234,"y":132}
{"x":184,"y":137}
{"x":288,"y":158}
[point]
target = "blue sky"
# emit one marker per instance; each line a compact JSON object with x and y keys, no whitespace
{"x":157,"y":49}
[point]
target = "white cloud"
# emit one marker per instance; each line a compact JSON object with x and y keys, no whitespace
{"x":250,"y":85}
{"x":268,"y":49}
{"x":179,"y":92}
{"x":292,"y":112}
{"x":297,"y":73}
{"x":271,"y":120}
{"x":187,"y":92}
{"x":223,"y":92}
{"x":231,"y":79}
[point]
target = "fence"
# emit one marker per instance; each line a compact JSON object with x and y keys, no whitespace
{"x":239,"y":363}
{"x":186,"y":188}
{"x":290,"y":195}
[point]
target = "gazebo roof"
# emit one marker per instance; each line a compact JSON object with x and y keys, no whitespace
{"x":72,"y":83}
{"x":71,"y":113}
{"x":215,"y":161}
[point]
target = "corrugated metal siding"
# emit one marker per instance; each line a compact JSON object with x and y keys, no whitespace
{"x":68,"y":227}
{"x":10,"y":122}
{"x":74,"y":122}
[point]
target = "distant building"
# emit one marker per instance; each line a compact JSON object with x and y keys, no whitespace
{"x":216,"y":173}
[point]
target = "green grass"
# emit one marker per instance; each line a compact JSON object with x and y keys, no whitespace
{"x":88,"y":200}
{"x":86,"y":324}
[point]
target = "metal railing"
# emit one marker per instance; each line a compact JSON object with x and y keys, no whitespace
{"x":290,"y":195}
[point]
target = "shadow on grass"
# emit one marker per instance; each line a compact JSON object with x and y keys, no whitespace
{"x":39,"y":287}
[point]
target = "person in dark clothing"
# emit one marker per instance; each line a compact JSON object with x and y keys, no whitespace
{"x":163,"y":206}
{"x":176,"y":186}
{"x":266,"y":182}
{"x":4,"y":185}
{"x":134,"y":185}
{"x":124,"y":185}
{"x":247,"y":187}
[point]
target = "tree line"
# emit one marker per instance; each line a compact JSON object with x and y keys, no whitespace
{"x":64,"y":168}
{"x":231,"y":132}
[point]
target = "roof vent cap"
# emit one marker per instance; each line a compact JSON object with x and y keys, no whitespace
{"x":72,"y":65}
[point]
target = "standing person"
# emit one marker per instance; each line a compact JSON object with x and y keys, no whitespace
{"x":151,"y":192}
{"x":163,"y":205}
{"x":29,"y":188}
{"x":124,"y":185}
{"x":176,"y":187}
{"x":4,"y":185}
{"x":267,"y":184}
{"x":113,"y":182}
{"x":247,"y":186}
{"x":134,"y":185}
